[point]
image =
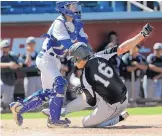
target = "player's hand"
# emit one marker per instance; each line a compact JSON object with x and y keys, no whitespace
{"x":28,"y":54}
{"x":147,"y":29}
{"x":135,"y":63}
{"x":13,"y":65}
{"x":28,"y":60}
{"x":131,"y":68}
{"x":78,"y":90}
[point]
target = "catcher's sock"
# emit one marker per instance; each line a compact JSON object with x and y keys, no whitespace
{"x":55,"y":106}
{"x":123,"y":115}
{"x":121,"y":118}
{"x":34,"y":101}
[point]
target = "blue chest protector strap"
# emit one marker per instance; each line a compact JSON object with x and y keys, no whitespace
{"x":53,"y":42}
{"x":75,"y":35}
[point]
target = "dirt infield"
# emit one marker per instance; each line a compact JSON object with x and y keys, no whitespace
{"x":134,"y":126}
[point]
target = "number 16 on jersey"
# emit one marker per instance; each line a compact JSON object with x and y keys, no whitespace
{"x":105,"y":71}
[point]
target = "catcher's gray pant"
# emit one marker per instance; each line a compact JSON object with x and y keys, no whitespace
{"x":31,"y":85}
{"x":7,"y":93}
{"x":133,"y":90}
{"x":153,"y":88}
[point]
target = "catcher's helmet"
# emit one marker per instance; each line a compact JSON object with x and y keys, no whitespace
{"x":80,"y":50}
{"x":62,"y":7}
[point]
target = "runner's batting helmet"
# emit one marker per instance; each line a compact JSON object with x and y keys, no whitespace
{"x":80,"y":50}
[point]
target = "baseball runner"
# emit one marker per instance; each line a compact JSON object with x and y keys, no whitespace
{"x":101,"y":84}
{"x":63,"y":33}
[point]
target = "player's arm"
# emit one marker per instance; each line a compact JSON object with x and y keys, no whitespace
{"x":5,"y":65}
{"x":126,"y":63}
{"x":131,"y":68}
{"x":158,"y":76}
{"x":143,"y":65}
{"x":127,"y":45}
{"x":12,"y":65}
{"x":155,"y":68}
{"x":152,"y":66}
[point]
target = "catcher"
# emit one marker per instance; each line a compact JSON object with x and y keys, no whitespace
{"x":62,"y":34}
{"x":101,"y":84}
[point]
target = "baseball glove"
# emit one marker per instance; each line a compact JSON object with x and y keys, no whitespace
{"x":147,"y":29}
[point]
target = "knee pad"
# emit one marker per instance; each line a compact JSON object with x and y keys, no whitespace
{"x":60,"y":86}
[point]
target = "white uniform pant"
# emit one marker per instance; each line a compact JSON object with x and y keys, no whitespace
{"x":50,"y":69}
{"x":153,"y":88}
{"x":133,"y":91}
{"x":31,"y":85}
{"x":7,"y":93}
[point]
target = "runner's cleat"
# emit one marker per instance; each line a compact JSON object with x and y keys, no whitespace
{"x":123,"y":116}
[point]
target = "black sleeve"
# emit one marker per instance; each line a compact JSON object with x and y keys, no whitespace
{"x":87,"y":76}
{"x":109,"y":50}
{"x":89,"y":98}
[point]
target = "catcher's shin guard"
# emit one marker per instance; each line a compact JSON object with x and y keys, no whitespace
{"x":30,"y":103}
{"x":55,"y":104}
{"x":34,"y":101}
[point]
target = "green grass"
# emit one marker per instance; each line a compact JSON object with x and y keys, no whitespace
{"x":131,"y":111}
{"x":145,"y":111}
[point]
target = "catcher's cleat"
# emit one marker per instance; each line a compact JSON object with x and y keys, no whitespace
{"x":123,"y":116}
{"x":15,"y":108}
{"x":59,"y":124}
{"x":68,"y":121}
{"x":46,"y":112}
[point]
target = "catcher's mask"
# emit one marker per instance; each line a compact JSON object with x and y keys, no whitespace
{"x":74,"y":11}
